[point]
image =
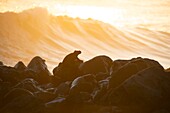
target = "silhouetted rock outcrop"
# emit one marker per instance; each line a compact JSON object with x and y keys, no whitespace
{"x":99,"y":64}
{"x":99,"y":85}
{"x":68,"y":69}
{"x":129,"y":68}
{"x":20,"y":66}
{"x":146,"y":89}
{"x":38,"y":66}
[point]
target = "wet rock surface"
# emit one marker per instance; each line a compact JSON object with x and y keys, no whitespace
{"x":99,"y":85}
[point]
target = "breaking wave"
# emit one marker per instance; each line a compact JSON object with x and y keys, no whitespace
{"x":35,"y":32}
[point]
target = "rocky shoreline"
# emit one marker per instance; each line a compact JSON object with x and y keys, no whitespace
{"x":99,"y":85}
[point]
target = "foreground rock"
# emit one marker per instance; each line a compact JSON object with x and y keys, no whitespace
{"x":99,"y":64}
{"x":9,"y":74}
{"x":99,"y":85}
{"x":146,"y":90}
{"x":38,"y":66}
{"x":68,"y":70}
{"x":123,"y":71}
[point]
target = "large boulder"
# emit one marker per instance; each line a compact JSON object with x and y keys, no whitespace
{"x":82,"y":88}
{"x":68,"y":70}
{"x":5,"y":87}
{"x":10,"y":74}
{"x":85,"y":83}
{"x":130,"y":68}
{"x":141,"y":63}
{"x":20,"y":66}
{"x":101,"y":76}
{"x":99,"y":94}
{"x":21,"y":101}
{"x":16,"y":92}
{"x":45,"y":96}
{"x":59,"y":105}
{"x":117,"y":64}
{"x":63,"y":89}
{"x":99,"y":64}
{"x":71,"y":58}
{"x":41,"y":92}
{"x":28,"y":84}
{"x":148,"y":89}
{"x":38,"y":66}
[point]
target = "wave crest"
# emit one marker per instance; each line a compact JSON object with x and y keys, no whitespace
{"x":36,"y":32}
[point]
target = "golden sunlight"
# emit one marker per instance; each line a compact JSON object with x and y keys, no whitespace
{"x":106,"y":14}
{"x":115,"y":12}
{"x":84,"y":56}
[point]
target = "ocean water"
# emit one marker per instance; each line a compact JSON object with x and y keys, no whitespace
{"x":26,"y":34}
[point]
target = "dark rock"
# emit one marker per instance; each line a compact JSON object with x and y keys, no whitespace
{"x":117,"y":64}
{"x":56,"y":80}
{"x":38,"y":66}
{"x":99,"y":64}
{"x":16,"y":92}
{"x":46,"y":86}
{"x":122,"y":74}
{"x":13,"y":94}
{"x":99,"y":85}
{"x":99,"y":94}
{"x":20,"y":66}
{"x":1,"y":63}
{"x":72,"y":58}
{"x":68,"y":70}
{"x":109,"y":109}
{"x":5,"y":87}
{"x":129,"y":69}
{"x":21,"y":101}
{"x":45,"y":96}
{"x":63,"y":89}
{"x":161,"y":111}
{"x":85,"y":83}
{"x":81,"y":89}
{"x":101,"y":76}
{"x":141,"y":63}
{"x":28,"y":84}
{"x":167,"y":70}
{"x":55,"y":102}
{"x":59,"y":105}
{"x":79,"y":98}
{"x":147,"y":90}
{"x":10,"y":74}
{"x":29,"y":74}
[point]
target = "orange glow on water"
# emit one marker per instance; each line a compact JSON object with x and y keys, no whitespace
{"x":116,"y":12}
